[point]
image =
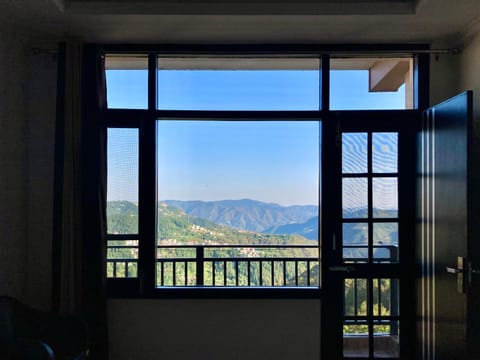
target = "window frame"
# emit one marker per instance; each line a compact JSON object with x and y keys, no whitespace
{"x":144,"y":120}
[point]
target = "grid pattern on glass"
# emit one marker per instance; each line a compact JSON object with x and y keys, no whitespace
{"x":122,"y":181}
{"x":126,"y":81}
{"x":122,"y":258}
{"x":238,"y":83}
{"x":384,"y":152}
{"x":355,"y":198}
{"x":354,"y":153}
{"x":385,"y":241}
{"x":231,"y":201}
{"x":370,"y":326}
{"x":371,"y":83}
{"x":385,"y":197}
{"x":370,"y":197}
{"x":355,"y":242}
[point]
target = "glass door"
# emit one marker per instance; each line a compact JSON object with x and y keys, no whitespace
{"x":368,"y":276}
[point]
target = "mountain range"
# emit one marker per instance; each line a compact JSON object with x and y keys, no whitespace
{"x":246,"y":214}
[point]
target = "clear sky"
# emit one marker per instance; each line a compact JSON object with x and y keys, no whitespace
{"x":211,"y":160}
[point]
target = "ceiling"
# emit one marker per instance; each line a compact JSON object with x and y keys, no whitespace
{"x":445,"y":22}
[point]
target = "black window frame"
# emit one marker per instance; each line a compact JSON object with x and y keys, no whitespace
{"x":143,"y":286}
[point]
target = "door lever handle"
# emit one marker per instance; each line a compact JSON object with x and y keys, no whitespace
{"x":342,"y":268}
{"x":451,"y":270}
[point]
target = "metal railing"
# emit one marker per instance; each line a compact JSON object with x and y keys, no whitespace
{"x":237,"y":265}
{"x":223,"y":265}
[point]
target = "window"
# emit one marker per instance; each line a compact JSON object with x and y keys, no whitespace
{"x":235,"y":199}
{"x":242,"y":196}
{"x":215,"y":170}
{"x":374,"y":83}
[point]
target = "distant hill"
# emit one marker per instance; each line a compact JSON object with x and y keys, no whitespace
{"x":308,"y":229}
{"x":177,"y":227}
{"x":247,"y":214}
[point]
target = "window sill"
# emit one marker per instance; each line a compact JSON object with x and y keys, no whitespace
{"x":207,"y":292}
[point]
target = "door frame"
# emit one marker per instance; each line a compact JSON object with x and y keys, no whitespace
{"x":406,"y":123}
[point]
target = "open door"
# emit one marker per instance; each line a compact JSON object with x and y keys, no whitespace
{"x":448,"y":232}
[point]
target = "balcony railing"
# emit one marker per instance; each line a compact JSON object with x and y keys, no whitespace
{"x":223,"y":265}
{"x":243,"y":265}
{"x":236,"y":265}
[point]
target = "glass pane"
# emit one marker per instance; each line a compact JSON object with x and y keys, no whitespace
{"x":371,"y":83}
{"x":355,"y":301}
{"x":385,"y":152}
{"x":386,"y":297}
{"x":122,"y":258}
{"x":355,"y":197}
{"x":238,"y":84}
{"x":385,"y":197}
{"x":385,"y":242}
{"x":122,"y":181}
{"x":354,"y":153}
{"x":355,"y":241}
{"x":127,"y":81}
{"x":355,"y":340}
{"x":240,"y":185}
{"x":386,"y":342}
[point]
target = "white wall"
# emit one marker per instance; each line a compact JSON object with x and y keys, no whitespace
{"x":42,"y":87}
{"x":470,"y":71}
{"x":13,"y":163}
{"x":214,"y":329}
{"x":27,"y":121}
{"x":444,"y":76}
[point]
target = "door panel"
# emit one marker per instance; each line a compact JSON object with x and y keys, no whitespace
{"x":444,"y":198}
{"x":369,"y":272}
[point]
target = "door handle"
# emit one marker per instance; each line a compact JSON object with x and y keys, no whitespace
{"x":451,"y":270}
{"x":458,"y":271}
{"x":346,"y":268}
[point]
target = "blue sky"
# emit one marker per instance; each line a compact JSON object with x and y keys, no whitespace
{"x":212,"y":160}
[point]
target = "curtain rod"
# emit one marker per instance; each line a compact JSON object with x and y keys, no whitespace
{"x":453,"y":51}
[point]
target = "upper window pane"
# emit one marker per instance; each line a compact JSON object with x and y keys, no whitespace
{"x":371,"y":83}
{"x":238,"y":83}
{"x":127,"y":81}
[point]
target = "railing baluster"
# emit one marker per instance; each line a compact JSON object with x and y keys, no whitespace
{"x":248,"y":273}
{"x":174,"y":268}
{"x":213,"y":272}
{"x":126,"y":269}
{"x":225,"y":273}
{"x":200,"y":263}
{"x":236,"y":273}
{"x":379,"y":288}
{"x":308,"y":272}
{"x":185,"y":271}
{"x":355,"y":296}
{"x":284,"y":273}
{"x":261,"y":273}
{"x":272,"y":273}
{"x":296,"y":272}
{"x":114,"y":269}
{"x":162,"y":275}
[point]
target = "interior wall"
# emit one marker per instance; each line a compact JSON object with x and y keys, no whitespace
{"x":444,"y":75}
{"x":469,"y":75}
{"x":13,"y":164}
{"x":214,"y":329}
{"x":470,"y":79}
{"x":42,"y":87}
